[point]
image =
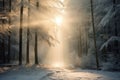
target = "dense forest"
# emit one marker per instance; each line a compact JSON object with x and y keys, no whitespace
{"x":59,"y":39}
{"x":89,"y":28}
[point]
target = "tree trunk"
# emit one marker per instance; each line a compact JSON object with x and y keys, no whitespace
{"x":3,"y":47}
{"x":9,"y":47}
{"x":10,"y":6}
{"x":94,"y":34}
{"x":117,"y":55}
{"x":9,"y":36}
{"x":28,"y":34}
{"x":3,"y":36}
{"x":20,"y":33}
{"x":86,"y":42}
{"x":3,"y":43}
{"x":3,"y":5}
{"x":36,"y":40}
{"x":115,"y":23}
{"x":36,"y":47}
{"x":80,"y":42}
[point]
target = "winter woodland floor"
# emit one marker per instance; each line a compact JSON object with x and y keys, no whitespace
{"x":33,"y":73}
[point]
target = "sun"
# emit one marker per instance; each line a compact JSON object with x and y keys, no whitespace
{"x":58,"y":20}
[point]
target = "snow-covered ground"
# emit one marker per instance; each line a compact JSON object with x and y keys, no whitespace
{"x":32,"y":73}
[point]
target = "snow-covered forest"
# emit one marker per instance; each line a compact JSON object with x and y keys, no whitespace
{"x":53,"y":39}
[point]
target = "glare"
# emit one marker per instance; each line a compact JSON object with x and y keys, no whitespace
{"x":62,"y":0}
{"x":58,"y":65}
{"x":58,"y":20}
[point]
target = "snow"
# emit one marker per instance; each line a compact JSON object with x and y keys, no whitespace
{"x":33,"y":73}
{"x":106,"y":18}
{"x":113,"y":38}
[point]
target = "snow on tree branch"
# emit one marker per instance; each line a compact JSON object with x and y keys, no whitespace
{"x":113,"y":38}
{"x":109,"y":16}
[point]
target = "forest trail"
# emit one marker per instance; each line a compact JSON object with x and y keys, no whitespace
{"x":57,"y":74}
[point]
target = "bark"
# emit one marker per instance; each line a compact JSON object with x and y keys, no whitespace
{"x":28,"y":35}
{"x":94,"y":33}
{"x":80,"y":42}
{"x":20,"y":33}
{"x":116,"y":31}
{"x":3,"y":49}
{"x":9,"y":36}
{"x":3,"y":36}
{"x":36,"y":40}
{"x":36,"y":47}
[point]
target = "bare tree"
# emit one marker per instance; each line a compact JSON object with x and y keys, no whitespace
{"x":36,"y":40}
{"x":9,"y":35}
{"x":115,"y":23}
{"x":94,"y":33}
{"x":116,"y":31}
{"x":80,"y":43}
{"x":20,"y":33}
{"x":28,"y":34}
{"x":3,"y":36}
{"x":3,"y":43}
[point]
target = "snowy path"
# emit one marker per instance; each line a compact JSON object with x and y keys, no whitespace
{"x":58,"y":74}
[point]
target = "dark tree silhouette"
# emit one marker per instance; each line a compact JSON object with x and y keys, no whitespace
{"x":36,"y":40}
{"x":20,"y":33}
{"x":94,"y":33}
{"x":116,"y":30}
{"x":9,"y":35}
{"x":3,"y":36}
{"x":3,"y":44}
{"x":80,"y":43}
{"x":28,"y":34}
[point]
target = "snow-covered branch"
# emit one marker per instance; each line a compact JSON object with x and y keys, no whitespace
{"x":113,"y":38}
